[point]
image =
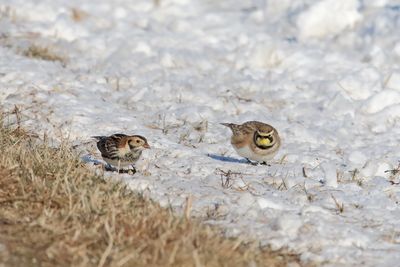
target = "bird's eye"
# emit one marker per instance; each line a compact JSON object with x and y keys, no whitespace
{"x":137,"y":141}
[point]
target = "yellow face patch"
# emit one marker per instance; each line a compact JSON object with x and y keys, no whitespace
{"x":263,"y":141}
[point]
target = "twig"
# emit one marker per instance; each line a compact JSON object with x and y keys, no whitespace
{"x":339,"y":206}
{"x":188,"y":207}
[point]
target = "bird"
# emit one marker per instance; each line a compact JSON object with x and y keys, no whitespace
{"x":255,"y":141}
{"x":120,"y":150}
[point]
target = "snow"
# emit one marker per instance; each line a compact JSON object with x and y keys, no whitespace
{"x":328,"y":17}
{"x":324,"y":73}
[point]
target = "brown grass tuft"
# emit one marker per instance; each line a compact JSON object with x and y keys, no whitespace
{"x":78,"y":15}
{"x":43,"y":53}
{"x":54,"y":212}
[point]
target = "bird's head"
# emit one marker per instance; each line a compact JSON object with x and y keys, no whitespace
{"x":138,"y":142}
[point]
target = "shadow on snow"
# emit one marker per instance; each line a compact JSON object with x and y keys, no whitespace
{"x":227,"y":159}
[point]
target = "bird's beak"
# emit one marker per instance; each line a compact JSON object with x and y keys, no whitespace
{"x":146,"y":146}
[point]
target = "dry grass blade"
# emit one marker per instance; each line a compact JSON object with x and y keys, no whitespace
{"x":339,"y":206}
{"x":54,"y":212}
{"x":43,"y":53}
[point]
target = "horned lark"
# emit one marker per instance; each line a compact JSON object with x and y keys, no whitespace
{"x":120,"y":150}
{"x":254,"y":140}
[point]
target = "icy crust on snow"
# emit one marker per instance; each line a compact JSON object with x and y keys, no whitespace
{"x":325,"y":73}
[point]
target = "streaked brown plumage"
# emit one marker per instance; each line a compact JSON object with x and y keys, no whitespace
{"x":255,"y":140}
{"x":120,"y":150}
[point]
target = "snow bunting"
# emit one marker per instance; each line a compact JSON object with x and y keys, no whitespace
{"x":254,"y":140}
{"x":120,"y":150}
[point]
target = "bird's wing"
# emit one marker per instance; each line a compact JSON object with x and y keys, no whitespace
{"x":108,"y":147}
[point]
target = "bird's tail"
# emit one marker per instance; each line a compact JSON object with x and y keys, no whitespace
{"x":98,"y":137}
{"x":230,"y":125}
{"x":235,"y":128}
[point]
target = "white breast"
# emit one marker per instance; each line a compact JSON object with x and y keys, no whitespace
{"x":246,"y":152}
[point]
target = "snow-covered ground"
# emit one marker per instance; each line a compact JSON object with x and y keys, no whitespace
{"x":325,"y":73}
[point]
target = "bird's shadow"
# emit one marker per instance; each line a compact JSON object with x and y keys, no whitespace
{"x":89,"y":159}
{"x":227,"y":159}
{"x":107,"y":167}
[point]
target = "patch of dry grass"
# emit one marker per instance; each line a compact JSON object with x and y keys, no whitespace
{"x":55,"y":212}
{"x":43,"y":53}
